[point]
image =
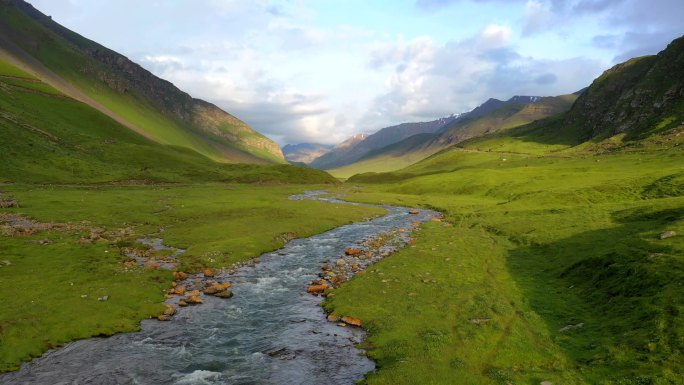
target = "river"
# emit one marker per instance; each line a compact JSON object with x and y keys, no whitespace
{"x":271,"y":332}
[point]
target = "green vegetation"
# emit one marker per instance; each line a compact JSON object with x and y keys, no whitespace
{"x":535,"y":242}
{"x":217,"y":224}
{"x":108,"y":81}
{"x":78,"y":144}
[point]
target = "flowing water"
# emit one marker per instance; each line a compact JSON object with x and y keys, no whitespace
{"x":270,"y":332}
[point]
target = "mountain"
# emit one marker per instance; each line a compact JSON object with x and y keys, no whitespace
{"x":492,"y":116}
{"x":48,"y":137}
{"x":638,"y":97}
{"x":495,"y":115}
{"x":382,"y":138}
{"x":305,"y":152}
{"x":123,"y":90}
{"x":340,"y":153}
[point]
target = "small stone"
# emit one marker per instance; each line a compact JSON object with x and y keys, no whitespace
{"x":480,"y":321}
{"x":333,"y":318}
{"x":5,"y":263}
{"x":182,"y":303}
{"x":103,"y":298}
{"x":164,"y":317}
{"x":340,"y":262}
{"x":208,"y":273}
{"x":325,"y":267}
{"x":667,"y":234}
{"x":414,"y":211}
{"x":546,"y":383}
{"x":568,"y":328}
{"x":180,"y":276}
{"x":84,"y":241}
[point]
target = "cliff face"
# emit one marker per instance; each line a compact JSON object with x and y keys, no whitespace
{"x":95,"y":63}
{"x":635,"y":97}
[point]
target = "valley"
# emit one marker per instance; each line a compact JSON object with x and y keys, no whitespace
{"x":147,"y":235}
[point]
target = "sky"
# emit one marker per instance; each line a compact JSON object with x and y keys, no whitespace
{"x":322,"y":70}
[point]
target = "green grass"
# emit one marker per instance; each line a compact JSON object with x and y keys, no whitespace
{"x":66,"y":54}
{"x":217,"y":224}
{"x":534,"y":243}
{"x":78,"y":144}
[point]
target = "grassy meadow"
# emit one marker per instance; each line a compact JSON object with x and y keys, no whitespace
{"x":54,"y":284}
{"x":549,"y":266}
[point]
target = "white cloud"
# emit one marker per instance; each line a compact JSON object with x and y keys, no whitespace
{"x":538,"y":16}
{"x":275,"y":65}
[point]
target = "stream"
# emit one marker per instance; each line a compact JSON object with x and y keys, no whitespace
{"x":271,"y":332}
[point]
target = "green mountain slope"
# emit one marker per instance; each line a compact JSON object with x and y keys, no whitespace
{"x":639,"y":97}
{"x":109,"y":82}
{"x":67,"y":141}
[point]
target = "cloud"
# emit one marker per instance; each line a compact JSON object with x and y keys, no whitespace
{"x":436,"y":81}
{"x":301,"y":72}
{"x":538,"y":16}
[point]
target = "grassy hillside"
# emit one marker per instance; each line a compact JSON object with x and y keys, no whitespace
{"x":548,"y":268}
{"x":66,"y":141}
{"x":125,"y":91}
{"x":639,"y":97}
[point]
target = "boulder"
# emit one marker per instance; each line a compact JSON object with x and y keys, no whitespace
{"x":224,"y":294}
{"x":182,"y":303}
{"x":208,"y":273}
{"x":193,"y":300}
{"x":333,"y":317}
{"x":180,"y":276}
{"x":164,"y":317}
{"x":317,"y":288}
{"x":178,"y":290}
{"x":353,"y":251}
{"x":169,"y":310}
{"x":414,"y":211}
{"x":667,"y":234}
{"x":7,"y":203}
{"x":340,"y":262}
{"x":217,"y":288}
{"x":351,"y":321}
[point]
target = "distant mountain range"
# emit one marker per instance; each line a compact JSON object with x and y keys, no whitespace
{"x":353,"y":149}
{"x":123,"y":90}
{"x":305,"y":152}
{"x":398,"y":146}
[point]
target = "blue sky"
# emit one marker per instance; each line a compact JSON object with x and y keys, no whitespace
{"x":322,"y":70}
